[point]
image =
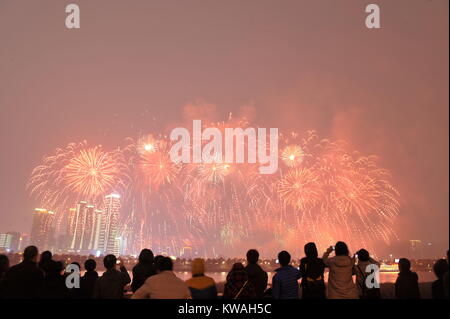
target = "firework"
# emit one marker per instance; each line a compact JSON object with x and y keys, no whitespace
{"x":300,"y":189}
{"x":324,"y":192}
{"x":292,"y":155}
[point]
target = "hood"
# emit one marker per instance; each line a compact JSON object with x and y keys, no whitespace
{"x":342,"y":261}
{"x":198,"y":266}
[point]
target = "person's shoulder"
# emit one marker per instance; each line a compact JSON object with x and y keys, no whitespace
{"x":153,"y":278}
{"x":14,"y":268}
{"x":210,"y":280}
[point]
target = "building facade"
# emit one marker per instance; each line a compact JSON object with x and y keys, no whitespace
{"x":42,"y":230}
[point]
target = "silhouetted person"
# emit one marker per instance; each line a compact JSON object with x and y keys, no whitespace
{"x":87,"y":282}
{"x":24,"y":280}
{"x":164,"y":285}
{"x":256,"y":275}
{"x":407,"y":283}
{"x":143,"y":269}
{"x":362,"y":272}
{"x":45,"y":261}
{"x":4,"y":266}
{"x":437,"y":287}
{"x":238,"y":285}
{"x":112,"y":283}
{"x":200,"y":285}
{"x":54,"y":285}
{"x":312,"y":268}
{"x":285,"y":281}
{"x":340,"y":277}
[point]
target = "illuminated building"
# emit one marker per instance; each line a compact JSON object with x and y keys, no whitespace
{"x":77,"y":222}
{"x":83,"y":229}
{"x":41,"y":230}
{"x":97,"y":228}
{"x":117,"y":246}
{"x":5,"y":241}
{"x":10,"y":241}
{"x":109,"y":224}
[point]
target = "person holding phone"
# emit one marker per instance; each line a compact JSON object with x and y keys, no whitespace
{"x":340,"y":278}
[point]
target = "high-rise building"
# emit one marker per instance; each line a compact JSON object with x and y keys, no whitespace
{"x":83,"y":230}
{"x":77,"y":221}
{"x":97,"y":229}
{"x":109,"y":224}
{"x":14,"y":241}
{"x":41,"y":230}
{"x":5,"y":241}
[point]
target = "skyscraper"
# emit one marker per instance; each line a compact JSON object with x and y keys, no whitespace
{"x":5,"y":241}
{"x":14,"y":241}
{"x":10,"y":241}
{"x":83,"y":230}
{"x":41,"y":230}
{"x":109,"y":224}
{"x":77,"y":220}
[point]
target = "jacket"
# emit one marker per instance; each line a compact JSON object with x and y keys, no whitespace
{"x":285,"y":283}
{"x":111,"y":285}
{"x":340,"y":278}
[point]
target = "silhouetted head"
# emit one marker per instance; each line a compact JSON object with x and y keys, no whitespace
{"x":4,"y":264}
{"x":90,"y":265}
{"x":404,"y":265}
{"x":198,"y":266}
{"x":110,"y":261}
{"x":440,"y":268}
{"x":30,"y":253}
{"x":284,"y":258}
{"x":311,"y":250}
{"x":237,"y":267}
{"x":163,"y":264}
{"x":252,"y":256}
{"x":146,"y":256}
{"x":157,"y":257}
{"x":46,"y":256}
{"x":341,"y":249}
{"x":363,"y":255}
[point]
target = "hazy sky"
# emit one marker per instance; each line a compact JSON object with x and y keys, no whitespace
{"x":299,"y":65}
